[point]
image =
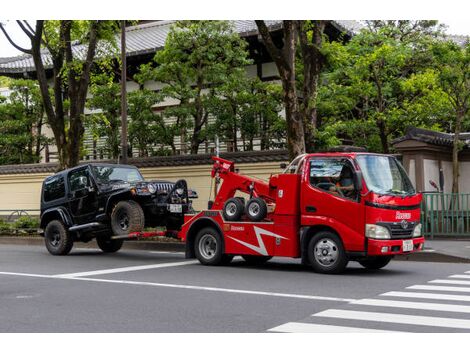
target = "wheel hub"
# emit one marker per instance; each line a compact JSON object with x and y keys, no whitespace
{"x":231,"y":209}
{"x":326,"y":252}
{"x":208,"y":246}
{"x":254,"y":209}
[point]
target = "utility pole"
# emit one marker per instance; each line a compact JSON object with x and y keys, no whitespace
{"x":123,"y":94}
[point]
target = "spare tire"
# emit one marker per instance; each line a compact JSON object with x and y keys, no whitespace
{"x":256,"y":209}
{"x":233,"y":209}
{"x":127,"y":217}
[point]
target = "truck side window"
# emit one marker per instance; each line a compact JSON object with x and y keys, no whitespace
{"x":54,"y":188}
{"x":75,"y":178}
{"x":334,"y":176}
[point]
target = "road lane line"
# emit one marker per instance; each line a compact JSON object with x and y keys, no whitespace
{"x":451,"y":282}
{"x":414,"y":305}
{"x":127,"y":268}
{"x":426,"y":295}
{"x":308,"y":328}
{"x":439,"y":288}
{"x":188,"y":287}
{"x":166,"y":252}
{"x":460,"y":276}
{"x":395,"y":318}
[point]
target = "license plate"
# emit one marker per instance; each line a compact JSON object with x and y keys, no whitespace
{"x":407,"y":246}
{"x":176,"y":208}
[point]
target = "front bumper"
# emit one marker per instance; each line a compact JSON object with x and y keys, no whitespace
{"x":392,"y":247}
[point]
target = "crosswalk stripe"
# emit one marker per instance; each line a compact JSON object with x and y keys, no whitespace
{"x":451,"y":282}
{"x":439,"y":288}
{"x":395,"y":318}
{"x":426,"y":295}
{"x":460,"y":276}
{"x":414,"y":305}
{"x":308,"y":328}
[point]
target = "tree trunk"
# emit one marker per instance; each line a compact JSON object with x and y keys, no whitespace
{"x":455,"y":152}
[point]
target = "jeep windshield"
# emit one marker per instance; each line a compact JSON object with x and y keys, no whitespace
{"x":384,"y":175}
{"x":116,"y":174}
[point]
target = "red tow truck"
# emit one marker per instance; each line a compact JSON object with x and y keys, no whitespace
{"x":325,"y":208}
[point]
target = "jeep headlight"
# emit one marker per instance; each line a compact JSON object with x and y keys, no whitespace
{"x":151,"y":188}
{"x":377,"y":232}
{"x":417,"y":231}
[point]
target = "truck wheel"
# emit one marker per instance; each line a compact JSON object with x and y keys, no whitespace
{"x":256,"y":209}
{"x":326,"y":253}
{"x":107,"y":245}
{"x":233,"y":209}
{"x":375,"y":263}
{"x":127,"y":217}
{"x":208,"y":247}
{"x":58,"y":240}
{"x":256,"y":259}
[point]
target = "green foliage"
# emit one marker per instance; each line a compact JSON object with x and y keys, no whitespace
{"x":4,"y":226}
{"x":26,"y":222}
{"x":4,"y":82}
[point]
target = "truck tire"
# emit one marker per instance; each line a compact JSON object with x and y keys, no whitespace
{"x":375,"y":263}
{"x":57,"y":239}
{"x":233,"y":209}
{"x":326,"y":253}
{"x":256,"y":259}
{"x":256,"y":209}
{"x":209,"y":248}
{"x":127,"y":217}
{"x":107,"y":245}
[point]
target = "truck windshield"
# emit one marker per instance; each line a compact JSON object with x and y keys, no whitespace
{"x":107,"y":174}
{"x":385,"y":175}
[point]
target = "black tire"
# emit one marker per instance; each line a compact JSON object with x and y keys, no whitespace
{"x":127,"y":217}
{"x":326,"y":253}
{"x":57,"y":239}
{"x":256,"y":259}
{"x":233,"y":209}
{"x":107,"y":245}
{"x":209,"y":248}
{"x":256,"y":209}
{"x":375,"y":263}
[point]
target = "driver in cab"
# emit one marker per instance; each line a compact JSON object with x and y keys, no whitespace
{"x":345,"y":184}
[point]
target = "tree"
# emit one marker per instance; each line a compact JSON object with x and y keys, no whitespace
{"x":453,"y":67}
{"x":70,"y":75}
{"x":21,"y":122}
{"x":198,"y":57}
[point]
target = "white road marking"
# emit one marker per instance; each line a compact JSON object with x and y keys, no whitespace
{"x":439,"y":288}
{"x":396,"y":318}
{"x":451,"y":282}
{"x":428,"y":250}
{"x":127,"y":268}
{"x":166,"y":252}
{"x":460,"y":276}
{"x":308,"y":328}
{"x":414,"y":305}
{"x":426,"y":295}
{"x":188,"y":287}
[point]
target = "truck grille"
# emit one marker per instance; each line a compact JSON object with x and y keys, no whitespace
{"x":164,"y":186}
{"x":397,"y":231}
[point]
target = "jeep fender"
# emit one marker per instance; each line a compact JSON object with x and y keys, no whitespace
{"x":55,"y":214}
{"x":118,"y":196}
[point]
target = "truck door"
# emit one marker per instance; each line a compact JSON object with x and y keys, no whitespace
{"x":329,"y":197}
{"x":83,"y":202}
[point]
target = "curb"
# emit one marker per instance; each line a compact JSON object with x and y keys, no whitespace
{"x":170,"y":246}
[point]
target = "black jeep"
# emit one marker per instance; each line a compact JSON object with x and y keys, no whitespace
{"x":107,"y":202}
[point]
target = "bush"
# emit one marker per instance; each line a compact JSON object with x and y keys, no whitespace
{"x":4,"y":226}
{"x":26,"y":222}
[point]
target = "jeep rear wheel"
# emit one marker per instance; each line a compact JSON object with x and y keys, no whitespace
{"x":107,"y":245}
{"x":127,"y":217}
{"x":57,"y":239}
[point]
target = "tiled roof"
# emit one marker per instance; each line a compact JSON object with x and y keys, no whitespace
{"x":162,"y":161}
{"x":433,"y":137}
{"x":148,"y":38}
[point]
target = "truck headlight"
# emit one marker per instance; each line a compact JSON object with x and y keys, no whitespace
{"x":152,"y":188}
{"x":417,"y":231}
{"x":377,"y":232}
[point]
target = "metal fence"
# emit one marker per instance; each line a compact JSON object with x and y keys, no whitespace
{"x":446,"y":214}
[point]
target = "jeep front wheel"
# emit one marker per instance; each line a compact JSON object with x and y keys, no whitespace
{"x":127,"y":217}
{"x":58,"y":240}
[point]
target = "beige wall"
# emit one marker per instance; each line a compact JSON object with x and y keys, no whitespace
{"x":23,"y":191}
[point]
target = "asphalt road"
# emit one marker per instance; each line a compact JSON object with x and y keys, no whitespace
{"x":143,"y":291}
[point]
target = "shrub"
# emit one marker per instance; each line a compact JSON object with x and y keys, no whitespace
{"x":4,"y":226}
{"x":26,"y":222}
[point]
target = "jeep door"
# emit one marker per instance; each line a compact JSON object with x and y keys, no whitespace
{"x":83,"y":200}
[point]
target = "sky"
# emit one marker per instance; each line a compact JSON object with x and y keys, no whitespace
{"x":6,"y":49}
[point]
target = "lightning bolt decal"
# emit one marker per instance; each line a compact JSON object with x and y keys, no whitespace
{"x":260,"y":248}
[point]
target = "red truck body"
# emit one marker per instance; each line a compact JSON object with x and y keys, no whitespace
{"x":305,"y":201}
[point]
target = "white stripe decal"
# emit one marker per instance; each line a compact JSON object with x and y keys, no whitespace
{"x":260,"y":248}
{"x":414,"y":305}
{"x":450,"y":282}
{"x":188,"y":287}
{"x":426,"y":295}
{"x":125,"y":269}
{"x":396,"y":318}
{"x":439,"y":288}
{"x":308,"y":328}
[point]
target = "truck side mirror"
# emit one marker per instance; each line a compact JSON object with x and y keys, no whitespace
{"x":358,"y":181}
{"x":283,"y":166}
